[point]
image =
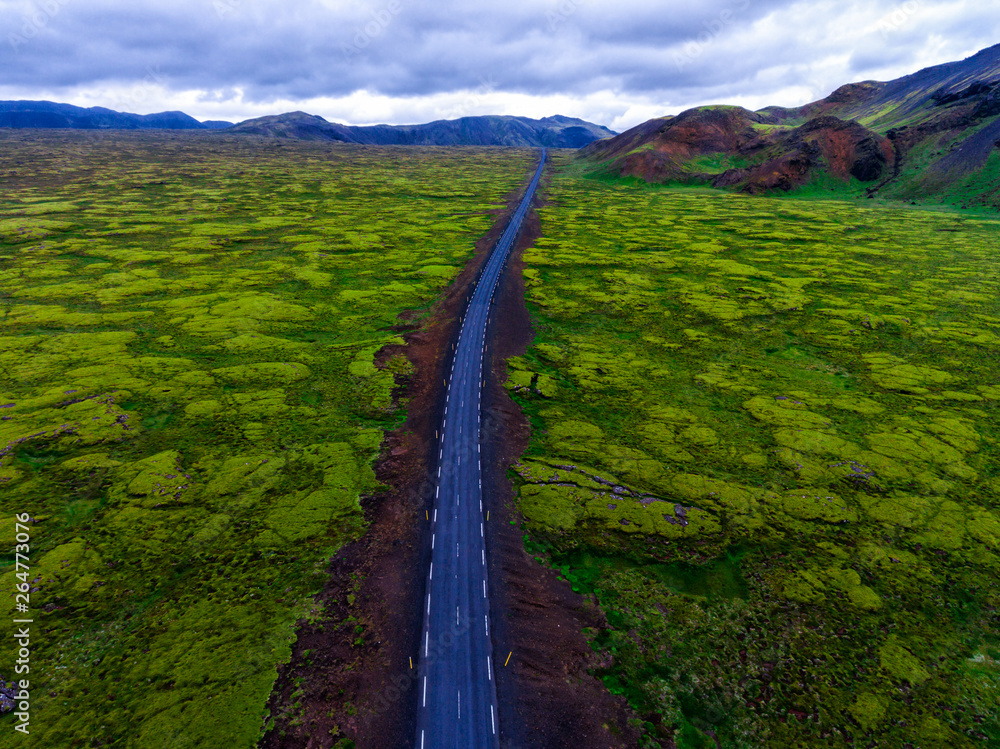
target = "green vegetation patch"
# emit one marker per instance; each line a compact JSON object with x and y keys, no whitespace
{"x":189,"y":405}
{"x":765,"y":436}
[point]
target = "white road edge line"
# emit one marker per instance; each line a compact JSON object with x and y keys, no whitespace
{"x":491,"y":276}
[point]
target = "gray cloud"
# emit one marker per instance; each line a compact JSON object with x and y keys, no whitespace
{"x":674,"y":54}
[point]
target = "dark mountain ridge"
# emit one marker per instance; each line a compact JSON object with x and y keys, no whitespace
{"x":489,"y":130}
{"x":48,"y":114}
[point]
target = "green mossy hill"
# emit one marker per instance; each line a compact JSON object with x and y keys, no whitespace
{"x":189,"y":405}
{"x":795,"y":404}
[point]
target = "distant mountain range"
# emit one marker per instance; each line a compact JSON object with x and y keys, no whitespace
{"x":933,"y":134}
{"x":489,"y":130}
{"x":555,"y":132}
{"x":48,"y":114}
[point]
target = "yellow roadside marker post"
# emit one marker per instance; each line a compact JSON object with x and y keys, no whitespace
{"x":508,"y":658}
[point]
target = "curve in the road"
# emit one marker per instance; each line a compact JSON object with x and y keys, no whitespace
{"x":456,"y":691}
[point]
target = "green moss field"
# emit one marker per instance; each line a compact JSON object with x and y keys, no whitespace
{"x":765,"y":439}
{"x":189,"y":408}
{"x":764,"y":431}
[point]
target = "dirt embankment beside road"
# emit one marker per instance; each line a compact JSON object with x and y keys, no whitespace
{"x":350,"y":676}
{"x":547,"y":697}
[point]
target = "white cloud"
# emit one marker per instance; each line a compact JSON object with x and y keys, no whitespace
{"x":617,"y":62}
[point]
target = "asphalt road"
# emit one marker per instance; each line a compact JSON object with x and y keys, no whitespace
{"x":456,"y":692}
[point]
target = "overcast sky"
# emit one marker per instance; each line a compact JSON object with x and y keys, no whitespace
{"x":403,"y":61}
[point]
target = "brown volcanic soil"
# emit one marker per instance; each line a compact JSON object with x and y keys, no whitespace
{"x":785,"y":158}
{"x":338,"y":686}
{"x":843,"y":148}
{"x":848,"y":148}
{"x":674,"y":141}
{"x":548,"y":700}
{"x":703,"y":131}
{"x":694,"y":132}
